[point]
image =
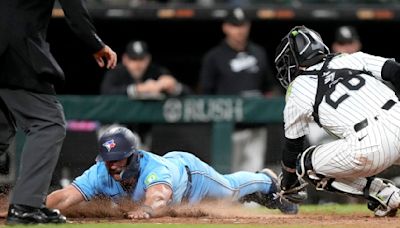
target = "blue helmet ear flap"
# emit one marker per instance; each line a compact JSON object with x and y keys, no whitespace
{"x":132,"y":169}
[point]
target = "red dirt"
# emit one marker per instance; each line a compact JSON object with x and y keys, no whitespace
{"x":102,"y":211}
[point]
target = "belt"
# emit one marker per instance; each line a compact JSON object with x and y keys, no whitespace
{"x":364,"y":123}
{"x":389,"y":104}
{"x":361,"y":125}
{"x":186,"y":194}
{"x":189,"y":174}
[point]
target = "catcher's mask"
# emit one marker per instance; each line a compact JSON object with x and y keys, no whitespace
{"x":117,"y":144}
{"x":301,"y":47}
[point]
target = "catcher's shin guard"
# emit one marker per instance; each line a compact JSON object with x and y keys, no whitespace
{"x":383,"y":196}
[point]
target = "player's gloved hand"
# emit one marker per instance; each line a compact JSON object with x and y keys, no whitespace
{"x":292,"y":188}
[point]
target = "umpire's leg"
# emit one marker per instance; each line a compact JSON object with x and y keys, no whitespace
{"x":41,"y":118}
{"x":7,"y":128}
{"x":7,"y":133}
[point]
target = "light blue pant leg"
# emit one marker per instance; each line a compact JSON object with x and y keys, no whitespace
{"x":208,"y":183}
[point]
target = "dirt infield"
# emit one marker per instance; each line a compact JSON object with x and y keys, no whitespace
{"x":102,"y":211}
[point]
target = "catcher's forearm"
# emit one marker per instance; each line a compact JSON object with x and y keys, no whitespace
{"x":391,"y":72}
{"x":293,"y":147}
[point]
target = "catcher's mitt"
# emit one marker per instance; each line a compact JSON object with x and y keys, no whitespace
{"x":292,"y":187}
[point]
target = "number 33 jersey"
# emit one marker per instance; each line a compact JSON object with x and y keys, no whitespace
{"x":347,"y":99}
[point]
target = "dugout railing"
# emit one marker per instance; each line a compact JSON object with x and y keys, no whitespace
{"x":221,"y":112}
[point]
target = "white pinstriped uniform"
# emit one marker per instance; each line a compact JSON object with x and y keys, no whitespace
{"x":355,"y":154}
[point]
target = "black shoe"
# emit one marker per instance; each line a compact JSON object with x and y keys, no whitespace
{"x":272,"y":200}
{"x":20,"y":214}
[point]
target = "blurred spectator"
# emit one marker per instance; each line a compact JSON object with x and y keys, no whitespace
{"x":238,"y":66}
{"x":346,"y":40}
{"x":139,"y":77}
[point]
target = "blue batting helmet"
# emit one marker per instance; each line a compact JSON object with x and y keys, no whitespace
{"x":117,"y":143}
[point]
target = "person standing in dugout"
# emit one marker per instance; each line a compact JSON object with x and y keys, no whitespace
{"x":28,"y":73}
{"x":238,"y":66}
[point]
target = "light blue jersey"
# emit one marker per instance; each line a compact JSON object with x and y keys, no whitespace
{"x":189,"y":178}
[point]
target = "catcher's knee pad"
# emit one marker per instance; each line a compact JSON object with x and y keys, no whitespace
{"x":304,"y":162}
{"x":305,"y":170}
{"x":304,"y":167}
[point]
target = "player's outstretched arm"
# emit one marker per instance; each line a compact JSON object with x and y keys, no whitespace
{"x":64,"y":198}
{"x":60,"y":199}
{"x":155,"y":204}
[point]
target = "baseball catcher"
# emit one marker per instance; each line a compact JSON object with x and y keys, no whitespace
{"x":346,"y":95}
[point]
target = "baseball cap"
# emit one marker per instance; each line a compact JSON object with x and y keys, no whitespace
{"x":137,"y":49}
{"x":346,"y":34}
{"x":236,"y":16}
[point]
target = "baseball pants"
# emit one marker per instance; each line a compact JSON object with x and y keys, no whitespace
{"x":41,"y":118}
{"x":363,"y":153}
{"x":208,"y":183}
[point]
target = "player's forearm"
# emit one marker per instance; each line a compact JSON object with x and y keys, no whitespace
{"x":154,"y":206}
{"x":157,"y":204}
{"x":293,"y":147}
{"x":391,"y":72}
{"x":57,"y":200}
{"x":81,"y":23}
{"x":64,"y":198}
{"x":157,"y":200}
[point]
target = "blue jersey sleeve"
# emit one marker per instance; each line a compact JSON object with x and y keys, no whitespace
{"x":160,"y":175}
{"x":88,"y":184}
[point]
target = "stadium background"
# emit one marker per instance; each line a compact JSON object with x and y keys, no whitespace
{"x":180,"y":34}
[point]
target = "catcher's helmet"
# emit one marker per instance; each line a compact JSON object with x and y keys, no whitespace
{"x":117,"y":143}
{"x":301,"y":47}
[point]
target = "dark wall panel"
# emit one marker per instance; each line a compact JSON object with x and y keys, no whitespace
{"x":180,"y":45}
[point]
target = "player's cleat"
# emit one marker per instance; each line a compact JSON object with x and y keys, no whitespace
{"x":20,"y":214}
{"x":272,"y":200}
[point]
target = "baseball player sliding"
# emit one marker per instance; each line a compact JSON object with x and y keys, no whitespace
{"x":158,"y":182}
{"x":344,"y":94}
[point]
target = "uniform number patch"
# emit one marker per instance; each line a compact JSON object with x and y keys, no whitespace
{"x":351,"y":82}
